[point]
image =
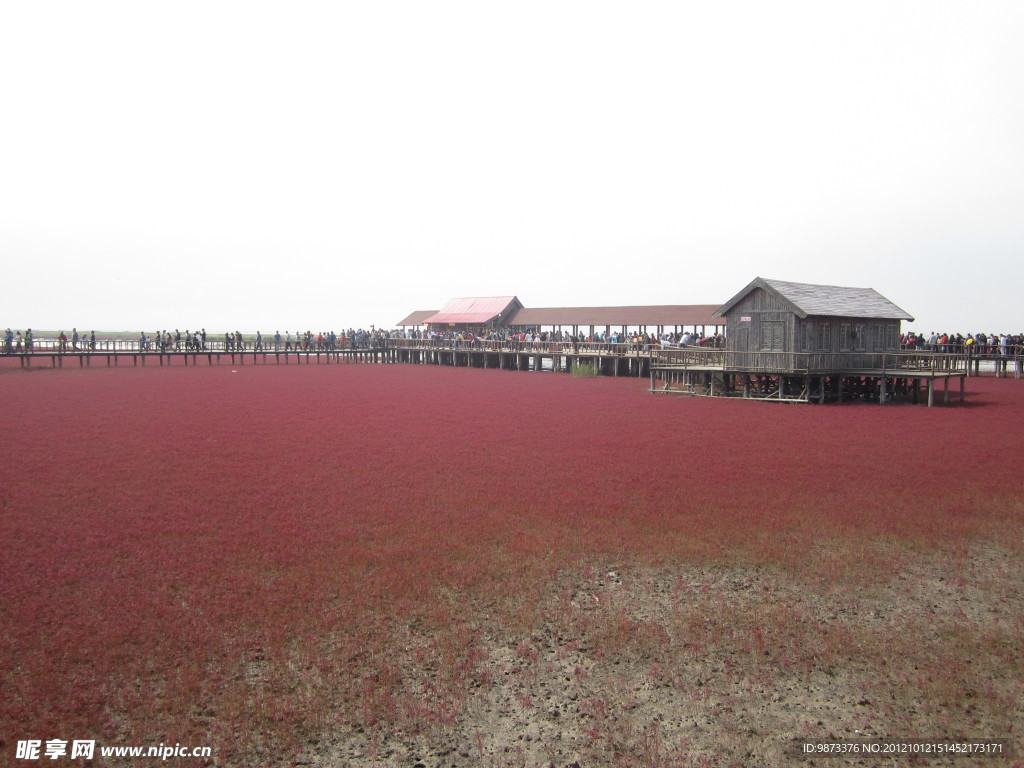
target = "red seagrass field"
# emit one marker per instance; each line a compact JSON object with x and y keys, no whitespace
{"x":360,"y":565}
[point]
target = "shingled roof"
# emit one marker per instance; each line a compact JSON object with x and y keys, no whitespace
{"x":823,"y":300}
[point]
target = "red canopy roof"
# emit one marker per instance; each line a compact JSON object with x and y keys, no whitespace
{"x":474,"y":309}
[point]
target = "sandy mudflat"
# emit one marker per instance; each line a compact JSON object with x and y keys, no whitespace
{"x":720,"y":666}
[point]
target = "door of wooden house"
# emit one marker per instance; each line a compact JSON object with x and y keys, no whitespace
{"x":772,"y":341}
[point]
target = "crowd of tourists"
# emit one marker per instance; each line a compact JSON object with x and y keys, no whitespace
{"x":1003,"y":344}
{"x":518,"y":339}
{"x":16,"y":342}
{"x":300,"y":341}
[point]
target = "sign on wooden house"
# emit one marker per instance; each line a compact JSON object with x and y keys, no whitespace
{"x":775,"y":325}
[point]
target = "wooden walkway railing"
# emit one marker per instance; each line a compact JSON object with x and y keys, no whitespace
{"x":895,"y":363}
{"x":971,"y":362}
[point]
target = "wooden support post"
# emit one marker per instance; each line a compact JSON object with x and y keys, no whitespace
{"x":945,"y":396}
{"x":931,"y":392}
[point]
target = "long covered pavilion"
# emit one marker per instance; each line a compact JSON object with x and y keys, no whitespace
{"x":482,"y":314}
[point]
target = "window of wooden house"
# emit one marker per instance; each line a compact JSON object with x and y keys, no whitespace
{"x":825,"y":336}
{"x":879,"y":337}
{"x":771,"y":336}
{"x":845,"y":340}
{"x":892,"y":338}
{"x":806,"y":336}
{"x":860,"y":337}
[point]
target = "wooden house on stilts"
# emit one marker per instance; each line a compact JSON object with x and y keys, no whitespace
{"x":798,"y":342}
{"x":784,"y":326}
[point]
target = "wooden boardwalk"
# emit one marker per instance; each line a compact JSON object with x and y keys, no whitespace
{"x":134,"y":358}
{"x":699,"y":371}
{"x":604,"y":359}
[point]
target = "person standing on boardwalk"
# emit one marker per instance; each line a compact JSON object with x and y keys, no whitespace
{"x":92,"y":341}
{"x":277,"y":341}
{"x":259,"y":342}
{"x":8,"y":342}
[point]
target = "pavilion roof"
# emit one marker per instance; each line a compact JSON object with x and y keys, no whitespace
{"x":474,"y":309}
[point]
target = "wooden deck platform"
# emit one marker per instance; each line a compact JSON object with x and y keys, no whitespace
{"x":811,"y":377}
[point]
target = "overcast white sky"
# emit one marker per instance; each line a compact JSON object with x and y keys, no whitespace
{"x":267,"y":166}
